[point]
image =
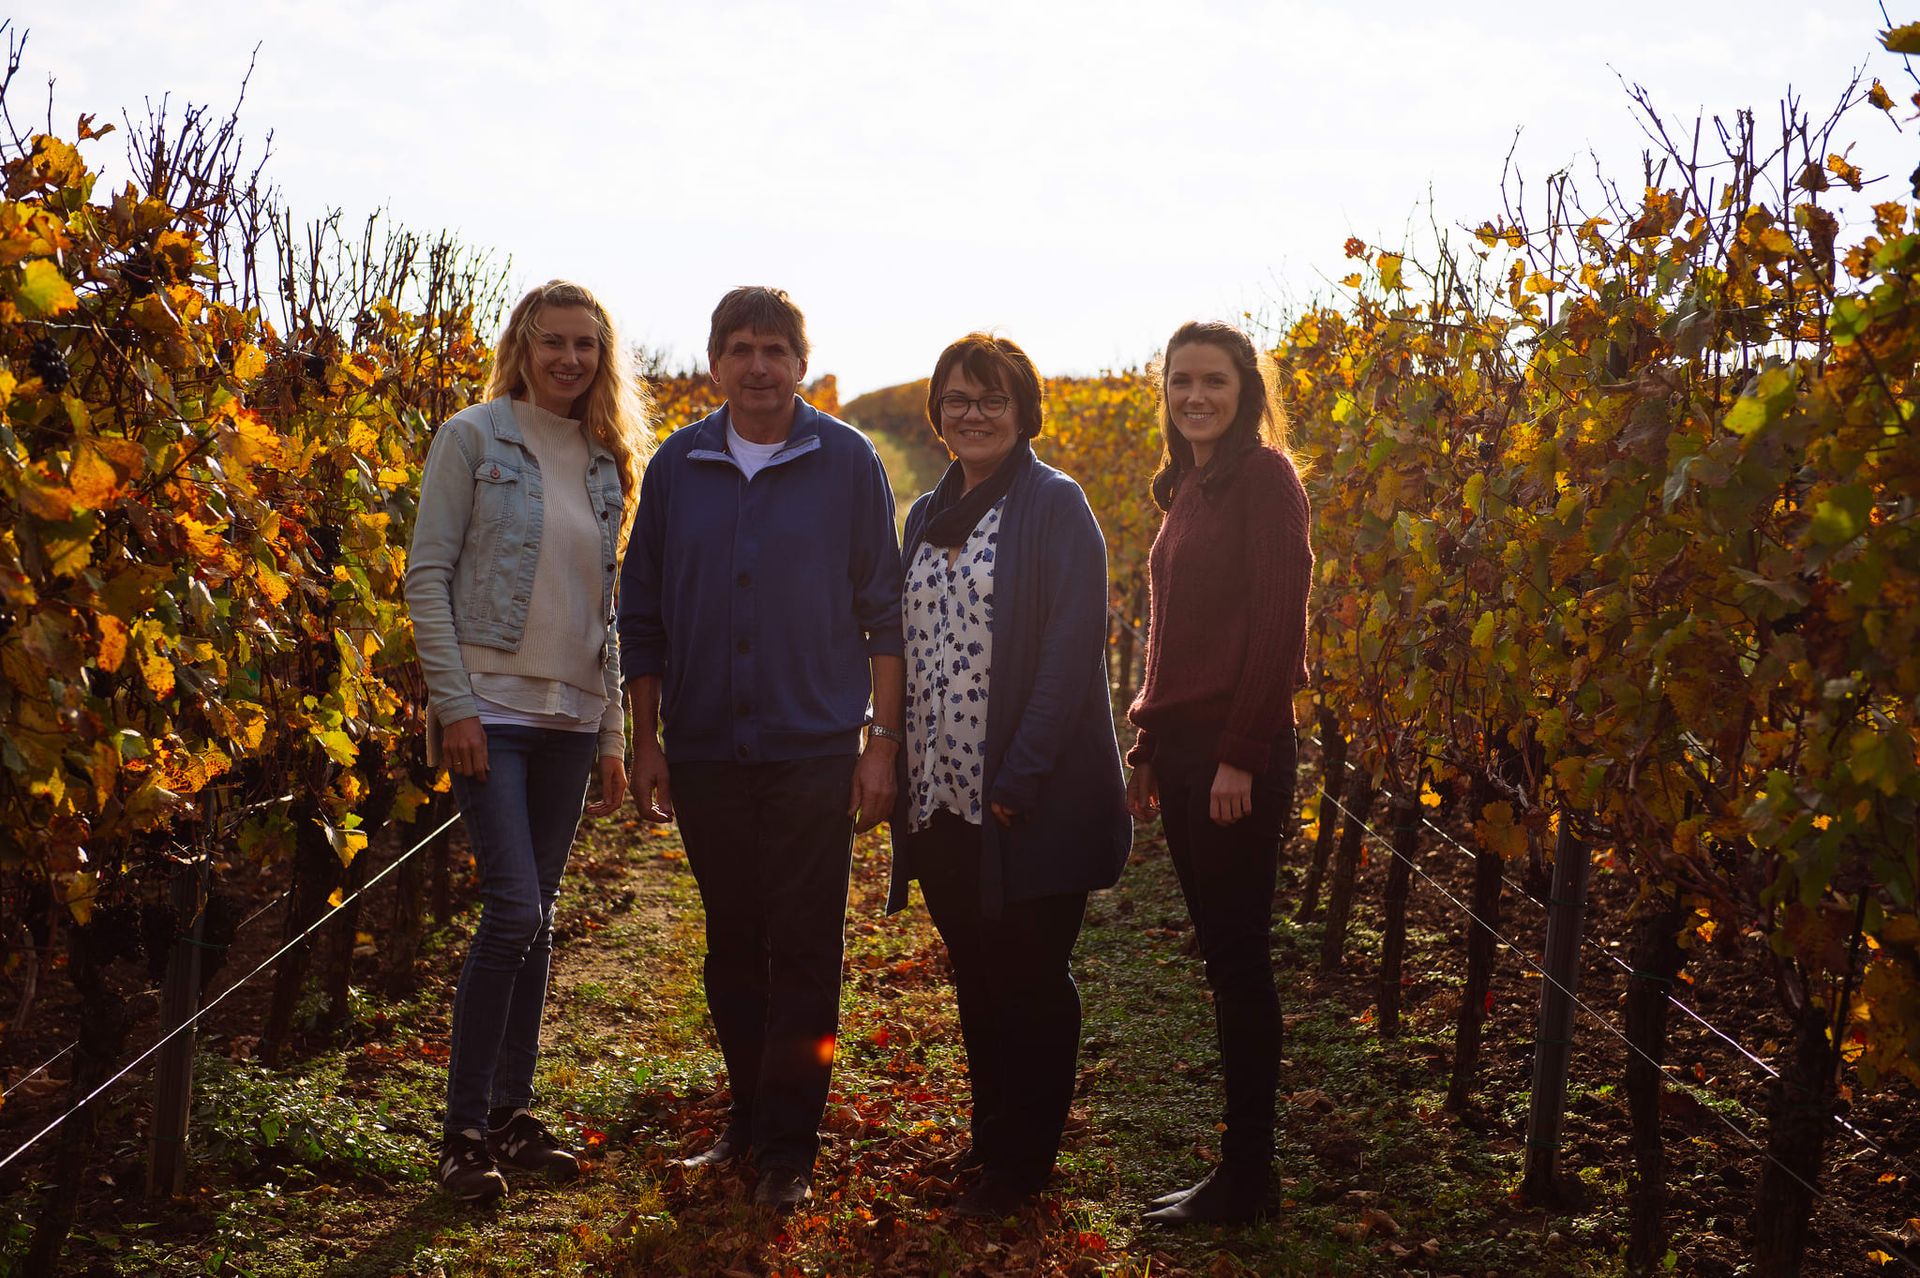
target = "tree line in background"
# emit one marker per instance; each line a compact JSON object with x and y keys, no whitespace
{"x":1614,"y":508}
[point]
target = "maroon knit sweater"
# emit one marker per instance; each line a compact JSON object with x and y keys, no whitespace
{"x":1227,"y":630}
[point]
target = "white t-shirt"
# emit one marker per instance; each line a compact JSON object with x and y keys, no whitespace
{"x":749,"y":456}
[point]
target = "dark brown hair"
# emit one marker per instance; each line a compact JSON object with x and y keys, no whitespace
{"x":1259,"y":421}
{"x":997,"y":363}
{"x":764,"y":310}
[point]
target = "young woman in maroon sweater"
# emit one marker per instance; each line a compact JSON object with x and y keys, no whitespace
{"x":1226,"y":642}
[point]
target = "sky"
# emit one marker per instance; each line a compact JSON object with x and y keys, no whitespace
{"x":1081,"y":177}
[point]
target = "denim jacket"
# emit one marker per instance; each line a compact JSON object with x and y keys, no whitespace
{"x":476,"y":544}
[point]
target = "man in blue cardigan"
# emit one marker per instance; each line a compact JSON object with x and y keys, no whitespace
{"x":759,"y":611}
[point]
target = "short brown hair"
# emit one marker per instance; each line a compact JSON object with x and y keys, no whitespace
{"x":997,"y":362}
{"x":764,"y":310}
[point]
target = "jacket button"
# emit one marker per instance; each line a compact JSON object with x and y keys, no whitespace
{"x":743,"y":709}
{"x":744,"y":579}
{"x":495,"y":474}
{"x":741,"y":751}
{"x":744,"y":646}
{"x":610,"y":567}
{"x":603,"y":514}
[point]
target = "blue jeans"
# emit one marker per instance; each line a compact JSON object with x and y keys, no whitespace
{"x":520,"y":821}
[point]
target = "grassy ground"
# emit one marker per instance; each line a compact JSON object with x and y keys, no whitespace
{"x":320,"y":1172}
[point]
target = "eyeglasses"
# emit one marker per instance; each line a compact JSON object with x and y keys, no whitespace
{"x":991,"y":407}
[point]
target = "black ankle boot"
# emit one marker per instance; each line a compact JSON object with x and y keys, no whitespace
{"x":1233,"y":1194}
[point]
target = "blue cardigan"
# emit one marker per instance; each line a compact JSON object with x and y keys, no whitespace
{"x":1051,"y":755}
{"x":759,"y":603}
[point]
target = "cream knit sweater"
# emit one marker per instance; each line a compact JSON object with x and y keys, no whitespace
{"x":558,"y":667}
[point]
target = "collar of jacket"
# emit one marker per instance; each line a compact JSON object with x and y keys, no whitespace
{"x":710,"y":435}
{"x":506,"y":428}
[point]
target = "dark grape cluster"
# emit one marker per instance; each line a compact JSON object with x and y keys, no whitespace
{"x":48,"y":364}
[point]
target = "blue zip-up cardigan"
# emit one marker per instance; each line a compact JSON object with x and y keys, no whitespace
{"x":758,"y":603}
{"x":1051,"y":755}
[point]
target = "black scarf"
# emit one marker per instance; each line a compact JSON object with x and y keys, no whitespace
{"x":952,"y":516}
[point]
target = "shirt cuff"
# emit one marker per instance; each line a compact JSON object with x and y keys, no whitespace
{"x":887,"y":643}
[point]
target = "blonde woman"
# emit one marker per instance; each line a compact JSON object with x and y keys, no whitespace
{"x":525,"y":502}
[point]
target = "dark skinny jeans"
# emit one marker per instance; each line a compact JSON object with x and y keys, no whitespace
{"x":1227,"y":875}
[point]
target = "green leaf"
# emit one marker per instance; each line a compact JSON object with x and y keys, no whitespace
{"x":1841,"y":515}
{"x":43,"y":290}
{"x":1850,"y":318}
{"x":1476,"y":488}
{"x":1483,"y":630}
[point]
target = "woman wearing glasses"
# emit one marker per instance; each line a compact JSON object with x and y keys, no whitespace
{"x":1226,"y":638}
{"x":1012,"y":803}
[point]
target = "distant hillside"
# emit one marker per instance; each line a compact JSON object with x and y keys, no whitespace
{"x":896,"y":410}
{"x":896,"y":417}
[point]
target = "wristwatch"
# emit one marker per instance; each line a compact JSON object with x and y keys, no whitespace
{"x":886,"y":733}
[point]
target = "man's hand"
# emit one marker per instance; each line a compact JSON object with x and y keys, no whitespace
{"x":1143,"y":793}
{"x":652,"y":794}
{"x":873,"y":785}
{"x":1003,"y":814}
{"x":1232,"y":796}
{"x":463,"y":747}
{"x":613,"y":786}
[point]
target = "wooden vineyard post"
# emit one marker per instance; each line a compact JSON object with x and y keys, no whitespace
{"x":1803,"y":1103}
{"x":1406,"y":845}
{"x":1543,"y":1185}
{"x":1481,"y":942}
{"x":179,"y":1000}
{"x":1340,"y":897}
{"x":1657,"y":959}
{"x":1333,"y":781}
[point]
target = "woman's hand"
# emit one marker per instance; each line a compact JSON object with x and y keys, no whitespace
{"x":613,"y":786}
{"x":463,"y":745}
{"x":1232,"y":796}
{"x":1143,"y":793}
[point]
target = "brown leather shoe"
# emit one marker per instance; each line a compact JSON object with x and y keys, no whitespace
{"x":781,"y":1188}
{"x":723,"y":1151}
{"x":953,"y":1163}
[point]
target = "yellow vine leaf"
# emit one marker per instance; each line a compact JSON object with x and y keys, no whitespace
{"x":82,"y":885}
{"x":43,"y":291}
{"x":113,"y":642}
{"x":93,"y":481}
{"x":157,"y":669}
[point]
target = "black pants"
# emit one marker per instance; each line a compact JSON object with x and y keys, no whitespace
{"x":771,"y":846}
{"x":1227,"y":874}
{"x":1019,"y":1007}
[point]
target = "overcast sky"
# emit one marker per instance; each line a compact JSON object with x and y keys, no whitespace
{"x":1082,"y":177}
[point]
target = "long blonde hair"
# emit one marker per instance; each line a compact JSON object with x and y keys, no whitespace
{"x":616,"y":409}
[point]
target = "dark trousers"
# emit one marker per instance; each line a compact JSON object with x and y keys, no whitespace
{"x":1019,"y":1007}
{"x":1227,"y":875}
{"x":771,"y":846}
{"x":520,"y":822}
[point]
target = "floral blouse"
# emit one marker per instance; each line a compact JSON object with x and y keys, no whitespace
{"x":949,"y":621}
